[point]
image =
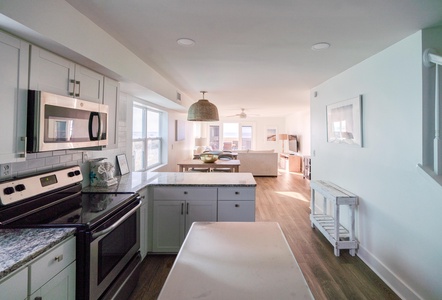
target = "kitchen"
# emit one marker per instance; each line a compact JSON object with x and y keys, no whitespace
{"x":391,"y":262}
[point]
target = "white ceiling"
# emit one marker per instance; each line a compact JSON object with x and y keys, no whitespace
{"x":256,"y":54}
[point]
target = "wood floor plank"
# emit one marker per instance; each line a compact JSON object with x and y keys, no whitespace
{"x":286,"y":199}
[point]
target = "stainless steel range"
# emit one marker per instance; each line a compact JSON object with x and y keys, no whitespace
{"x":107,"y":227}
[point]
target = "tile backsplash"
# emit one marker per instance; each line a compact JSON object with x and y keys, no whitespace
{"x":46,"y":161}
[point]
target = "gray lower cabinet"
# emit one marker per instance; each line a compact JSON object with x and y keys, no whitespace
{"x":176,"y":208}
{"x":236,"y":204}
{"x":61,"y":287}
{"x":52,"y":276}
{"x":174,"y":211}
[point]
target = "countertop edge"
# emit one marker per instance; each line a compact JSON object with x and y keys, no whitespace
{"x":34,"y":254}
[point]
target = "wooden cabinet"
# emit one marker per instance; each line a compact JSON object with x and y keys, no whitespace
{"x":236,"y":204}
{"x":12,"y":286}
{"x":144,"y":217}
{"x":175,"y":209}
{"x":50,"y":276}
{"x":111,"y":98}
{"x":55,"y":74}
{"x":14,"y":58}
{"x":290,"y":162}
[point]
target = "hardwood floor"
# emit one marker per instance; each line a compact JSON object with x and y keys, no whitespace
{"x":286,"y":199}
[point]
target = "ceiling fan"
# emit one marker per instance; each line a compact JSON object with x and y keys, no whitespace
{"x":242,"y":114}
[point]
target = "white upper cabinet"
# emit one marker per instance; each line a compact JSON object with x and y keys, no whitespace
{"x":55,"y":74}
{"x":14,"y":64}
{"x":111,"y":98}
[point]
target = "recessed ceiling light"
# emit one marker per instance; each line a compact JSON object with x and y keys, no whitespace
{"x":320,"y":46}
{"x":185,"y":42}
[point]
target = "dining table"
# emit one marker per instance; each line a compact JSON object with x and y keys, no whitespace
{"x":186,"y":165}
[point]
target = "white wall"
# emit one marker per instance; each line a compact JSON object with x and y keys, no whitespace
{"x":399,"y":212}
{"x":298,"y":123}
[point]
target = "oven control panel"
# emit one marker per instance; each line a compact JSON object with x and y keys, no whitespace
{"x":22,"y":188}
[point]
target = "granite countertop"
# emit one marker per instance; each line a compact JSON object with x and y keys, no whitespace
{"x":20,"y":246}
{"x":135,"y":181}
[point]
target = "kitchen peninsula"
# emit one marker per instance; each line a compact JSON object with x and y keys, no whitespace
{"x":172,"y":201}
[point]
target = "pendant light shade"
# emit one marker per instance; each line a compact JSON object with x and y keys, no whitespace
{"x":202,"y":110}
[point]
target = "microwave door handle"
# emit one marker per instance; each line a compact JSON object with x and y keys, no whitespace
{"x":91,"y":121}
{"x":99,"y":126}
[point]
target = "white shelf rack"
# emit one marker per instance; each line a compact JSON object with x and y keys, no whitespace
{"x":329,"y":225}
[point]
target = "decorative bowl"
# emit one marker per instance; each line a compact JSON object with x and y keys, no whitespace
{"x":208,"y":157}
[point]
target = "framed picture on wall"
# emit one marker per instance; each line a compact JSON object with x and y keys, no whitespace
{"x":271,"y":134}
{"x":180,"y":130}
{"x":344,"y":124}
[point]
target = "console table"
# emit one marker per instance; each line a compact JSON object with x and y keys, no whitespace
{"x":330,"y":226}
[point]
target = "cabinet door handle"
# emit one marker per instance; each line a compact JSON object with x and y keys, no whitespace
{"x":182,"y":208}
{"x":187,"y":208}
{"x":71,"y":83}
{"x":77,"y":83}
{"x":59,"y":258}
{"x":236,"y":205}
{"x":236,"y":193}
{"x":185,"y":192}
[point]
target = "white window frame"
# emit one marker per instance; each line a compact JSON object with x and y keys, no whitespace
{"x":146,"y":139}
{"x":240,"y":125}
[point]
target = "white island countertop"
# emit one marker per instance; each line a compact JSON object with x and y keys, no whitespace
{"x":235,"y":260}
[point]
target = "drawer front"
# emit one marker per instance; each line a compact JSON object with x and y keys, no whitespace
{"x":182,"y":193}
{"x":237,"y":193}
{"x":236,"y":211}
{"x":51,"y":263}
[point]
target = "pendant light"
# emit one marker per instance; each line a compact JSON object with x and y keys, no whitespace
{"x":202,"y":110}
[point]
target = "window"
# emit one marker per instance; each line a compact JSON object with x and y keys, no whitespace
{"x":246,"y":137}
{"x":146,"y":138}
{"x":231,"y":136}
{"x":214,"y":137}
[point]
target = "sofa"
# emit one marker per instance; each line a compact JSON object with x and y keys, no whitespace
{"x":259,"y":162}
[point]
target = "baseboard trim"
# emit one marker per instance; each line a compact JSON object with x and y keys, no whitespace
{"x":390,"y":278}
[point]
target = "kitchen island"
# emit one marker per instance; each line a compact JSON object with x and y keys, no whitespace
{"x":231,"y":260}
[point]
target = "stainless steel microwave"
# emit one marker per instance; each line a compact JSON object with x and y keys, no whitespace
{"x":58,"y":122}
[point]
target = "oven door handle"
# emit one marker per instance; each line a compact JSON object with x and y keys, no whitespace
{"x":116,"y":224}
